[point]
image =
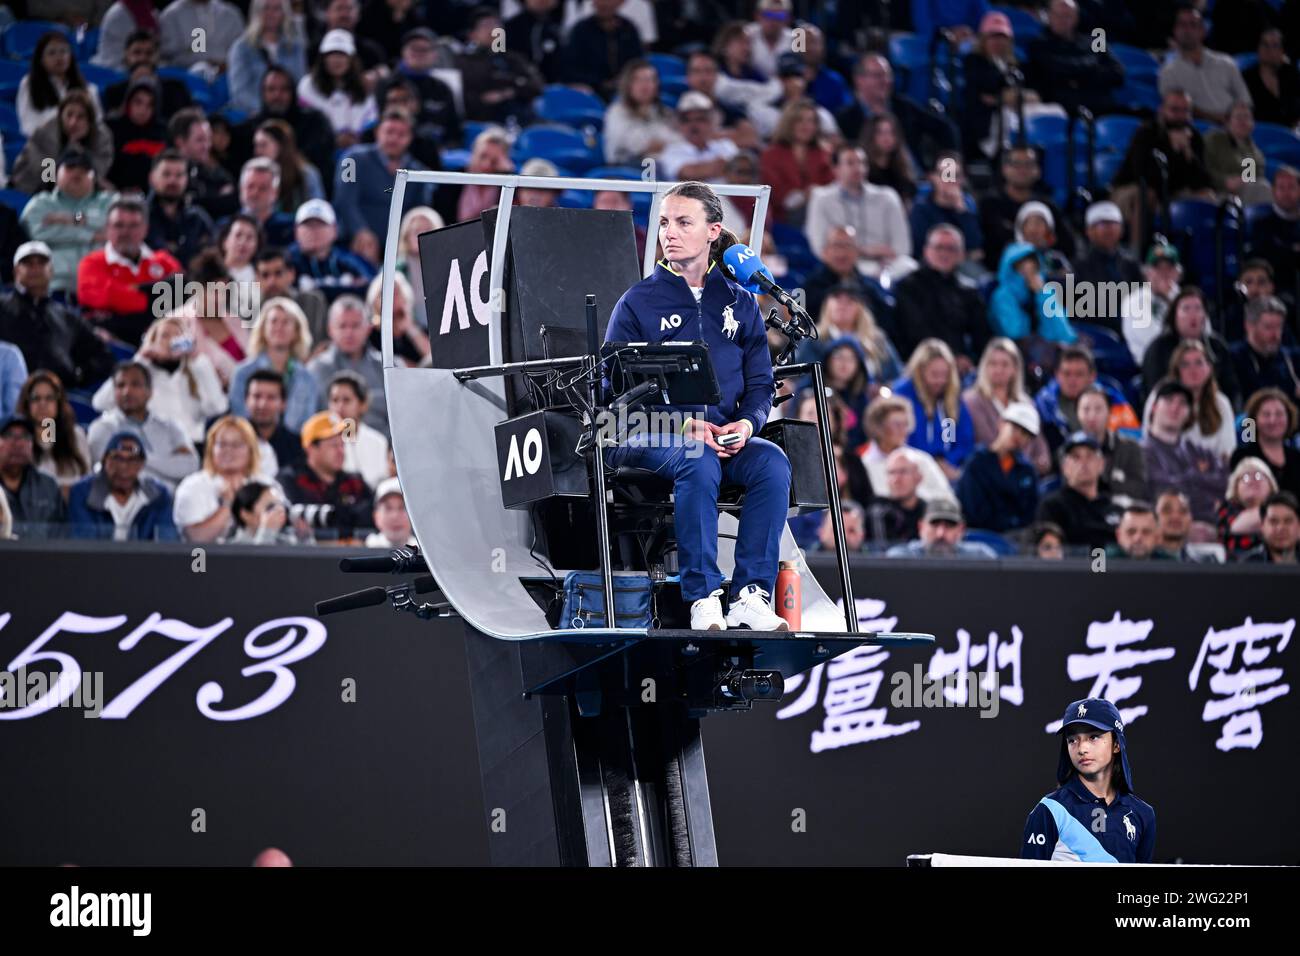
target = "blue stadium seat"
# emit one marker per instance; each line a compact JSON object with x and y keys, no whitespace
{"x":1047,"y":130}
{"x":1001,"y":545}
{"x":15,"y":200}
{"x":1192,"y":229}
{"x":1109,"y":349}
{"x":1253,"y":215}
{"x":218,"y":93}
{"x":454,"y":160}
{"x":1025,"y":25}
{"x":199,"y":88}
{"x":910,"y":56}
{"x":1136,"y":62}
{"x":640,"y":201}
{"x":20,"y":38}
{"x":563,"y":104}
{"x":1105,"y":166}
{"x":470,"y":129}
{"x":13,"y":146}
{"x":1246,"y":60}
{"x":12,"y":71}
{"x":100,"y":76}
{"x":1114,"y":133}
{"x":82,"y":408}
{"x":1204,"y":127}
{"x":1273,"y":139}
{"x":561,"y":145}
{"x":1141,"y":95}
{"x":671,"y":89}
{"x":9,"y":125}
{"x":9,"y":91}
{"x":87,"y":47}
{"x":667,"y":65}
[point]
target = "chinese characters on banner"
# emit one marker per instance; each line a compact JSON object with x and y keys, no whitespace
{"x":1240,"y":687}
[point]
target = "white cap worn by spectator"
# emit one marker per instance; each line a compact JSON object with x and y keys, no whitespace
{"x":539,"y":167}
{"x":693,"y":100}
{"x":389,"y":486}
{"x":1033,"y":208}
{"x":1024,"y":415}
{"x":315,"y":209}
{"x":338,"y":41}
{"x":1105,"y":211}
{"x":33,"y":248}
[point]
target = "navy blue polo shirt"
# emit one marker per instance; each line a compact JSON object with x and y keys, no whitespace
{"x":1070,"y":823}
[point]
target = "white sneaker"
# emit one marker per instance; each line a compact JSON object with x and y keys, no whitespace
{"x":752,"y":609}
{"x":706,"y":613}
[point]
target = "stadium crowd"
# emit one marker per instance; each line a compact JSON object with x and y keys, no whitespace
{"x":1053,"y":249}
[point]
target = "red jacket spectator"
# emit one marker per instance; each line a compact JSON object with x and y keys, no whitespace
{"x":106,"y":280}
{"x":786,"y":174}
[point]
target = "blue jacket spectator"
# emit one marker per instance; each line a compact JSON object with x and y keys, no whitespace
{"x":273,"y":36}
{"x":998,"y":489}
{"x":362,"y":188}
{"x":944,"y":427}
{"x":1023,"y":304}
{"x":319,"y":263}
{"x":89,"y":515}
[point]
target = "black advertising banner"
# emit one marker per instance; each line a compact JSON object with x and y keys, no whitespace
{"x":231,"y":719}
{"x":454,"y":269}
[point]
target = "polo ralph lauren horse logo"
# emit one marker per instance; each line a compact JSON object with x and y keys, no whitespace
{"x":729,"y":324}
{"x":1130,"y":830}
{"x":1082,"y":710}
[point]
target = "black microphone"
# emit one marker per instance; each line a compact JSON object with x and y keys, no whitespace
{"x":401,"y":561}
{"x":369,"y":597}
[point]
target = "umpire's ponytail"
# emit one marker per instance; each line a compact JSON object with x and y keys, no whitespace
{"x":712,"y":213}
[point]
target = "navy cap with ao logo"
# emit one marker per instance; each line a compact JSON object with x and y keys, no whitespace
{"x":1103,"y":715}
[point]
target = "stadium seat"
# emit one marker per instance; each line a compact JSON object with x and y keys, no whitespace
{"x":1192,"y":229}
{"x":910,"y":56}
{"x":20,"y":38}
{"x":562,"y":145}
{"x":1025,"y":25}
{"x":1141,"y":95}
{"x":9,"y":125}
{"x":1114,"y":133}
{"x":667,"y":65}
{"x":87,"y":47}
{"x":218,"y":93}
{"x":1274,"y":140}
{"x":563,"y":104}
{"x":1136,"y":62}
{"x":1046,"y":130}
{"x":1253,"y":215}
{"x":15,"y":200}
{"x":9,"y":91}
{"x":1109,"y":349}
{"x":13,"y":146}
{"x":1001,"y":545}
{"x":470,"y":129}
{"x":199,"y":88}
{"x":454,"y":160}
{"x":100,"y":76}
{"x":82,"y":408}
{"x":1105,"y":166}
{"x":1246,"y":60}
{"x":12,"y":71}
{"x":671,"y":89}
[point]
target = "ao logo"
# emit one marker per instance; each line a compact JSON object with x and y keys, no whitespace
{"x":745,"y":255}
{"x":673,"y":321}
{"x":532,"y":456}
{"x":1039,"y":838}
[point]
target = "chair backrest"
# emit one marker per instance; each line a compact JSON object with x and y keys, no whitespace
{"x":20,"y":38}
{"x":1001,"y":545}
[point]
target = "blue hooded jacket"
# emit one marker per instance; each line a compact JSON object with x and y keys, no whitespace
{"x":1016,"y":312}
{"x":662,"y":308}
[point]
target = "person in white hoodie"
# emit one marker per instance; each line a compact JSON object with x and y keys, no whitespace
{"x":186,"y":387}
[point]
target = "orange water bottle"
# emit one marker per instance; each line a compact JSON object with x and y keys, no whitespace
{"x":789,"y":594}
